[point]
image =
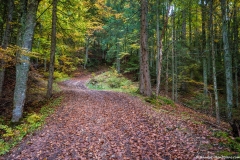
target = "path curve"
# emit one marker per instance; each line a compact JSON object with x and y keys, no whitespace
{"x":110,"y":125}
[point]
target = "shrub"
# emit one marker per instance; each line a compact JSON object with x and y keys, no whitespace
{"x":111,"y":80}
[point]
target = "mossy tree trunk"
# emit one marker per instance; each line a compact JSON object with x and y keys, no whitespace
{"x":25,"y":38}
{"x":227,"y":60}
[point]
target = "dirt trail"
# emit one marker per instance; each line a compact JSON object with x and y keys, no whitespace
{"x":109,"y":125}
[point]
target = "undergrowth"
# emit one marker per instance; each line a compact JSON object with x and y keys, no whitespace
{"x":58,"y":76}
{"x":159,"y":101}
{"x":11,"y":134}
{"x":111,"y":80}
{"x":230,"y":142}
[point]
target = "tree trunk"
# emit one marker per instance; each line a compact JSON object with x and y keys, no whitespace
{"x":166,"y":85}
{"x":158,"y":39}
{"x":205,"y":89}
{"x":145,"y":83}
{"x":5,"y":41}
{"x":214,"y":65}
{"x":53,"y":48}
{"x":173,"y":58}
{"x":86,"y":55}
{"x":160,"y":53}
{"x":118,"y":58}
{"x":25,"y":38}
{"x":227,"y":60}
{"x":236,"y":47}
{"x":159,"y":68}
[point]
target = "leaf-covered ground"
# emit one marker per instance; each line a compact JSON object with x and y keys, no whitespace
{"x":94,"y":124}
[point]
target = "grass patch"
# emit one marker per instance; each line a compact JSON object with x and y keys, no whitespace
{"x":12,"y":134}
{"x":111,"y":80}
{"x":160,"y":101}
{"x":230,"y":142}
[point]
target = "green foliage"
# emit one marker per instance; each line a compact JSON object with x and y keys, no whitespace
{"x":160,"y":101}
{"x":111,"y":80}
{"x":59,"y":76}
{"x":228,"y":141}
{"x":200,"y":102}
{"x":8,"y":131}
{"x":33,"y":118}
{"x":10,"y":135}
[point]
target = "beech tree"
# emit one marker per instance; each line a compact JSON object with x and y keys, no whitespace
{"x":24,"y":41}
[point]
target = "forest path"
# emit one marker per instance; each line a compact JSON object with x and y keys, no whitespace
{"x":110,"y":125}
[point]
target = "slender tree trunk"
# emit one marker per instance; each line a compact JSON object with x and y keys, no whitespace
{"x":118,"y":58}
{"x":6,"y":35}
{"x":166,"y":85}
{"x":53,"y":48}
{"x":151,"y":54}
{"x":176,"y":77}
{"x":227,"y":60}
{"x":145,"y":86}
{"x":173,"y":58}
{"x":203,"y":8}
{"x":160,"y":52}
{"x":159,"y":67}
{"x":214,"y":64}
{"x":5,"y":41}
{"x":236,"y":52}
{"x":25,"y":38}
{"x":175,"y":69}
{"x":158,"y":39}
{"x":86,"y":54}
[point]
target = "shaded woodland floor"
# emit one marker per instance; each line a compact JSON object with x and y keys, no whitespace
{"x":94,"y":124}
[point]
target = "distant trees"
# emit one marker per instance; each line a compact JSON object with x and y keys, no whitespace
{"x":200,"y":45}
